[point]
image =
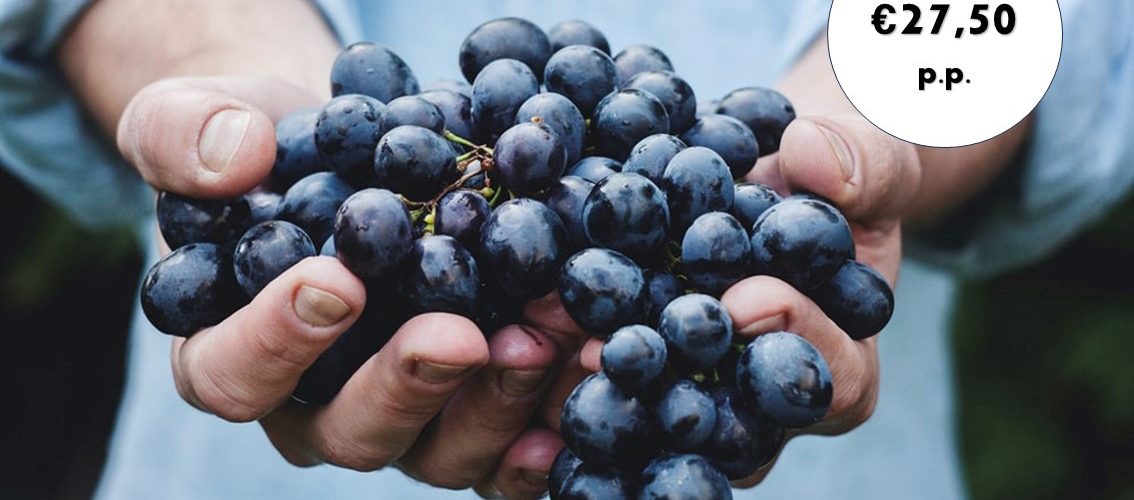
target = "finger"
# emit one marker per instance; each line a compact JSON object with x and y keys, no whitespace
{"x":248,"y":364}
{"x":206,"y":137}
{"x":569,"y":376}
{"x":522,"y":472}
{"x":764,"y":304}
{"x":487,"y":414}
{"x":385,"y":405}
{"x":547,"y":313}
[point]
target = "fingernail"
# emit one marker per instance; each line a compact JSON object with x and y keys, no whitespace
{"x":769,"y":324}
{"x":318,"y":308}
{"x":521,"y":382}
{"x":840,"y":149}
{"x":222,"y":136}
{"x":436,"y":373}
{"x":533,"y":477}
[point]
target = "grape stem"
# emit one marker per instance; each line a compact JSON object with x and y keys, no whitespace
{"x":454,"y":138}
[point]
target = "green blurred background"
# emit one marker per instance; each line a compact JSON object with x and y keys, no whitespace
{"x":1046,"y":383}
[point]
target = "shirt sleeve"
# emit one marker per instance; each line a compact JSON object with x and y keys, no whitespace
{"x":1079,"y":163}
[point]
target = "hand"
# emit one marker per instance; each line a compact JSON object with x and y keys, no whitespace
{"x":439,"y":401}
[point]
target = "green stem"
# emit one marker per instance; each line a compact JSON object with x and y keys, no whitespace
{"x":460,"y":140}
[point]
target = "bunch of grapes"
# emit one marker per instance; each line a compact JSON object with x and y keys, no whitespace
{"x":561,"y":169}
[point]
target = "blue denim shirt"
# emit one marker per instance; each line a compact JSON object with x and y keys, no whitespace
{"x":1077,"y":168}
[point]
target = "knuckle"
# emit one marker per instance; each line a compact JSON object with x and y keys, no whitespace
{"x":353,"y":456}
{"x":224,"y":399}
{"x":441,"y":477}
{"x":286,"y":353}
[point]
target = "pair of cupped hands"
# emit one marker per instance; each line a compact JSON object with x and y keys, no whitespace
{"x":444,"y":402}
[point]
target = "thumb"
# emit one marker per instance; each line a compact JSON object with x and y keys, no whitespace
{"x":868,"y":174}
{"x":206,"y":137}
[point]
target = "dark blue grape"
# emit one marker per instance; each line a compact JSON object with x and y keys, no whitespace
{"x":686,"y":415}
{"x":715,"y":253}
{"x":330,"y":372}
{"x":602,"y":290}
{"x":264,"y":204}
{"x":605,"y":426}
{"x":504,"y":38}
{"x":639,"y":58}
{"x":856,"y":298}
{"x":266,"y":251}
{"x":624,"y":118}
{"x":184,"y":220}
{"x":440,"y":276}
{"x":651,"y":155}
{"x":566,"y":198}
{"x":595,"y":168}
{"x":576,"y":32}
{"x":498,"y":92}
{"x":766,"y":112}
{"x":583,"y":74}
{"x":741,"y":442}
{"x":495,"y":308}
{"x":696,"y":182}
{"x":460,"y":214}
{"x":628,"y":213}
{"x":697,"y":330}
{"x":191,"y":288}
{"x":296,"y":153}
{"x":661,"y":288}
{"x":801,"y":241}
{"x":729,"y":137}
{"x":683,"y":477}
{"x":373,"y":232}
{"x":633,"y":358}
{"x":751,"y":202}
{"x":674,"y":93}
{"x":372,"y":70}
{"x":313,"y":202}
{"x":414,"y":161}
{"x":411,"y":110}
{"x":562,"y":116}
{"x":529,"y":157}
{"x":347,"y":132}
{"x":783,"y":377}
{"x":456,"y":108}
{"x":595,"y":483}
{"x":564,"y":465}
{"x":522,"y":246}
{"x":450,"y":84}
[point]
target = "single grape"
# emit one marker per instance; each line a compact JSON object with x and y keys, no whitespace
{"x":715,"y":253}
{"x":697,"y":330}
{"x":312,"y":203}
{"x":440,"y":276}
{"x":529,"y":158}
{"x":633,"y":358}
{"x":661,"y":288}
{"x":801,"y":241}
{"x":686,"y":415}
{"x":696,"y":182}
{"x":460,"y":214}
{"x":346,"y":133}
{"x":595,"y":483}
{"x":651,"y":155}
{"x":456,"y":107}
{"x":582,"y":74}
{"x":856,"y":298}
{"x":373,"y":232}
{"x":783,"y":377}
{"x":263,"y":204}
{"x":411,"y":110}
{"x":766,"y":112}
{"x":498,"y":92}
{"x":523,"y":245}
{"x":623,"y":118}
{"x":683,"y":477}
{"x":495,"y":308}
{"x":372,"y":70}
{"x":504,"y":38}
{"x":639,"y":58}
{"x":627,"y":213}
{"x":674,"y":93}
{"x":185,"y":220}
{"x":595,"y":168}
{"x":414,"y":161}
{"x":266,"y":251}
{"x":296,"y":153}
{"x":566,"y":198}
{"x":751,"y":201}
{"x":602,"y":290}
{"x":191,"y":288}
{"x":741,"y":441}
{"x":576,"y":32}
{"x":562,"y":116}
{"x":729,"y":137}
{"x":605,"y":426}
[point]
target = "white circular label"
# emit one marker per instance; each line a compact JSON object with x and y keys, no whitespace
{"x":945,"y":73}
